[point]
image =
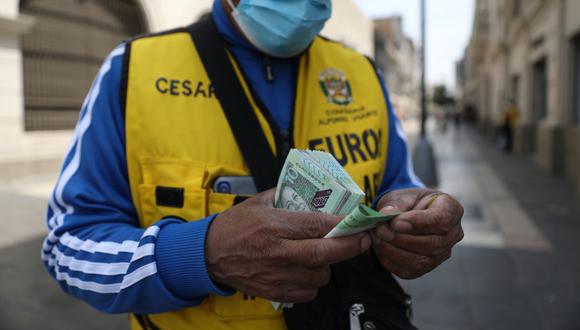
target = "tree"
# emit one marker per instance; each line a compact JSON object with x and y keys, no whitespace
{"x":441,"y":97}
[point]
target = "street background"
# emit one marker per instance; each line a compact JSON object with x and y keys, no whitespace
{"x":518,"y":266}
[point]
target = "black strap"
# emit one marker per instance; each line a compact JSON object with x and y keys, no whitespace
{"x":243,"y":122}
{"x":145,"y":322}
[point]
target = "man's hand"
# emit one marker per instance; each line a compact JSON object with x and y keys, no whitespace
{"x":420,"y":239}
{"x":276,"y":254}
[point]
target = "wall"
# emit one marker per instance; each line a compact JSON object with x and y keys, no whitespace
{"x":168,"y":14}
{"x":543,"y":29}
{"x":348,"y":24}
{"x":12,"y":26}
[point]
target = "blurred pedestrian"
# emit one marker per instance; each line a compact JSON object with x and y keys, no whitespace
{"x":509,"y":122}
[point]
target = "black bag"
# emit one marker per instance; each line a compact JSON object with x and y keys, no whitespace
{"x":361,"y":293}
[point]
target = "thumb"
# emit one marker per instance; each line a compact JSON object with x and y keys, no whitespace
{"x":388,"y":208}
{"x":400,"y":200}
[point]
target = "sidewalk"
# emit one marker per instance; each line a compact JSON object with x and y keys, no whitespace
{"x":17,"y":146}
{"x":517,"y":267}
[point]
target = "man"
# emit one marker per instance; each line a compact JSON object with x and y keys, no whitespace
{"x":135,"y":225}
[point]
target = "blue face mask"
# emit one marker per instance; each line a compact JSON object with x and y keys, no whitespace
{"x":281,"y":28}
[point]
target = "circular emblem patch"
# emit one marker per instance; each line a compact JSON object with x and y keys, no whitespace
{"x":335,"y":87}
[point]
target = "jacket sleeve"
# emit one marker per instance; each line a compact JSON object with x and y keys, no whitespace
{"x":95,"y":249}
{"x":399,"y":172}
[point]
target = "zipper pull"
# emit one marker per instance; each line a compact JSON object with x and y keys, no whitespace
{"x":354,"y":312}
{"x":268,"y":69}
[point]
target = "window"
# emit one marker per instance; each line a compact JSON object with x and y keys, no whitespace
{"x":540,"y":90}
{"x":576,"y":81}
{"x":64,"y":50}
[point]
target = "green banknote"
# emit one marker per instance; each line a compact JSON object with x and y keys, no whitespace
{"x":306,"y":186}
{"x":362,"y":218}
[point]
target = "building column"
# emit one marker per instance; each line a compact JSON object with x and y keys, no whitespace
{"x":11,"y":84}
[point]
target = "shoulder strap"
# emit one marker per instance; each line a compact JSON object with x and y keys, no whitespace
{"x":263,"y":164}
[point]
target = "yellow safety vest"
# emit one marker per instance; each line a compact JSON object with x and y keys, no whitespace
{"x":178,"y":136}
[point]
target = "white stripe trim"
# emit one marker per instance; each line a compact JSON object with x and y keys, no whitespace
{"x":75,"y":243}
{"x":84,"y":123}
{"x":57,"y":258}
{"x":129,"y":279}
{"x":86,"y":285}
{"x":97,"y":268}
{"x":139,"y":274}
{"x":91,"y":246}
{"x":87,"y":267}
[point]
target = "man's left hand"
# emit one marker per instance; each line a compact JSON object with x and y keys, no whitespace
{"x":421,"y":238}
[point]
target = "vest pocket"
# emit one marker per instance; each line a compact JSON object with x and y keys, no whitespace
{"x":158,"y":201}
{"x":172,"y":187}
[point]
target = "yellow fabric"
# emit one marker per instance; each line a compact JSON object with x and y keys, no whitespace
{"x":178,"y":136}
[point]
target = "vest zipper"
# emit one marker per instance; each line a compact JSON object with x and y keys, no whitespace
{"x":268,"y":69}
{"x":284,"y":141}
{"x":354,"y":312}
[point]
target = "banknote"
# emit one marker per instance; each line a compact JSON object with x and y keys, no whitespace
{"x":304,"y":185}
{"x":362,"y":218}
{"x":315,"y":181}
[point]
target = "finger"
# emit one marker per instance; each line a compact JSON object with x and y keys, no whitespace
{"x":326,"y":251}
{"x":388,"y":209}
{"x":292,"y":296}
{"x":443,"y":215}
{"x":403,"y":199}
{"x":428,"y":245}
{"x":265,"y":198}
{"x":404,"y":264}
{"x":300,"y":277}
{"x":385,"y":233}
{"x":305,"y":225}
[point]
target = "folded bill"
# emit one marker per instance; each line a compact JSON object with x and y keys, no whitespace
{"x":362,"y":218}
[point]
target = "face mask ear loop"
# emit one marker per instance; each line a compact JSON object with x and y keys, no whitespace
{"x":231,"y":4}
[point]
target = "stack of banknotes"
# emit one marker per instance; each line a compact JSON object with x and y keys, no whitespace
{"x":314,"y":181}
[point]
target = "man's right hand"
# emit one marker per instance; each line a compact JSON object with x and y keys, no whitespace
{"x":276,"y":254}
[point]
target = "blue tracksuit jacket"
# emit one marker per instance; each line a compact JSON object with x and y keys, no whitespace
{"x":95,"y":248}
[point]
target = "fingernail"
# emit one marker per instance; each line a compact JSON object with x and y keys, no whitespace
{"x":365,"y":243}
{"x":402,"y":226}
{"x":385,"y":234}
{"x":387,"y":208}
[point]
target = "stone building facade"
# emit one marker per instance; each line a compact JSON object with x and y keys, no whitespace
{"x":398,"y":58}
{"x":50,"y":50}
{"x":527,"y":53}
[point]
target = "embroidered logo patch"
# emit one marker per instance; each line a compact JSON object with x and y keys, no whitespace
{"x":335,"y":87}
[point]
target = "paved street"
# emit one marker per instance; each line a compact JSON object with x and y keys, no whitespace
{"x":516,"y":269}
